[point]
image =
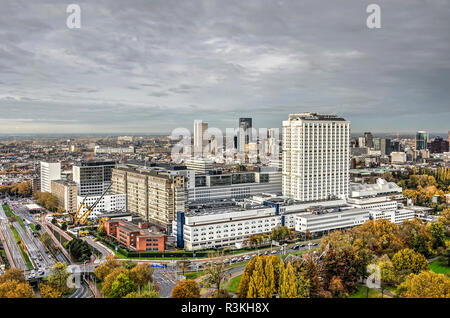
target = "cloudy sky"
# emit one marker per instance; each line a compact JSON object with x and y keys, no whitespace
{"x":153,"y":65}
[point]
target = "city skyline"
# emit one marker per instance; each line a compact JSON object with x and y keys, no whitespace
{"x":141,"y":68}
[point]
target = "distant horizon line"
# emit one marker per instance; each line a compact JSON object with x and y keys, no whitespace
{"x":168,"y":133}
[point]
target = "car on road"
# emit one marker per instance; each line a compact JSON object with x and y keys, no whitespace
{"x":266,"y":253}
{"x":273,"y":252}
{"x":246,"y":257}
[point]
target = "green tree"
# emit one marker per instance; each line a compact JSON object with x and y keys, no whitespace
{"x":280,"y":233}
{"x":341,"y":266}
{"x":111,"y":278}
{"x":408,"y":261}
{"x":414,"y":234}
{"x":215,"y":274}
{"x":438,"y":233}
{"x":58,"y":277}
{"x":48,"y":291}
{"x":303,"y":284}
{"x":426,"y":284}
{"x":257,"y":272}
{"x":142,"y":275}
{"x":287,"y":286}
{"x":107,"y":267}
{"x":186,"y":289}
{"x":101,"y":230}
{"x":79,"y":250}
{"x":256,"y":287}
{"x":121,"y":286}
{"x":144,"y":294}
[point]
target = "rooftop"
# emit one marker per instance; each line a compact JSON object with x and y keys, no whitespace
{"x":314,"y":117}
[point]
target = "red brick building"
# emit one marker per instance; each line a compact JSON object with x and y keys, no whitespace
{"x":136,"y":237}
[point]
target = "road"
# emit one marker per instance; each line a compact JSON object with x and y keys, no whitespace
{"x":99,"y":247}
{"x":165,"y":281}
{"x":38,"y":255}
{"x":82,"y":292}
{"x":13,"y":247}
{"x":66,"y":256}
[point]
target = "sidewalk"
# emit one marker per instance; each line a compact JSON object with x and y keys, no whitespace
{"x":94,"y":289}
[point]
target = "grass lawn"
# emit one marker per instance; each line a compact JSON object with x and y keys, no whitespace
{"x":233,"y":284}
{"x":33,"y":228}
{"x":12,"y":215}
{"x":439,"y":266}
{"x":5,"y":259}
{"x":194,"y":275}
{"x":362,"y":293}
{"x":7,"y":210}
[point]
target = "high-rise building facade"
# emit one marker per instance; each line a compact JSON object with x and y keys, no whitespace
{"x":66,"y":192}
{"x":438,"y":145}
{"x":49,"y":171}
{"x":92,"y":177}
{"x":316,"y":157}
{"x":200,"y":138}
{"x":385,"y":147}
{"x":156,"y":196}
{"x":376,"y":144}
{"x":369,"y":139}
{"x":245,"y":133}
{"x":361,"y":142}
{"x":421,"y":140}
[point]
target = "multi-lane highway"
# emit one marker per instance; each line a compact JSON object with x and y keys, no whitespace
{"x":13,"y":247}
{"x":42,"y":262}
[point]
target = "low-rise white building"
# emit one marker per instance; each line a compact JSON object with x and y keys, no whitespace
{"x":109,"y":203}
{"x":380,"y":199}
{"x":398,"y":157}
{"x":230,"y":226}
{"x":321,"y":222}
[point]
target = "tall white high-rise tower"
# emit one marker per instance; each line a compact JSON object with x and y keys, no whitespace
{"x":316,"y":157}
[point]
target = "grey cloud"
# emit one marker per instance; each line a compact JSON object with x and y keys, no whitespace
{"x":142,"y":64}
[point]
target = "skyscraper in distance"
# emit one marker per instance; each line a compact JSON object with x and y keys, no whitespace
{"x":49,"y":171}
{"x":200,"y":138}
{"x":369,"y":139}
{"x":421,"y":140}
{"x":245,"y":133}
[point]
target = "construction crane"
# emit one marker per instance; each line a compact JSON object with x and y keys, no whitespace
{"x":81,"y":218}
